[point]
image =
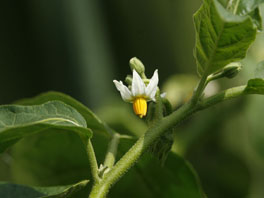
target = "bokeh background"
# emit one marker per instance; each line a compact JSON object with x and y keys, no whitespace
{"x":78,"y":47}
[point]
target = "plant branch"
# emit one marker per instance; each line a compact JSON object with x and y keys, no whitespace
{"x":92,"y":161}
{"x":129,"y":159}
{"x":199,"y":90}
{"x":111,"y":152}
{"x":222,"y":96}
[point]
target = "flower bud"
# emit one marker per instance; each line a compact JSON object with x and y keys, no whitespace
{"x":136,"y":64}
{"x":231,"y":70}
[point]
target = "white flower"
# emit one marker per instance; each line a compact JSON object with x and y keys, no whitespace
{"x":139,"y":93}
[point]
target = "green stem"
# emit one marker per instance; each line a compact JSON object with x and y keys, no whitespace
{"x":100,"y":189}
{"x":222,"y":96}
{"x":111,"y":152}
{"x":128,"y":160}
{"x":92,"y":161}
{"x":198,"y":92}
{"x":236,"y":7}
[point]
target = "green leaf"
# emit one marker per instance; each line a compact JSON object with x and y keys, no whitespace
{"x":256,"y":17}
{"x":17,"y":122}
{"x":93,"y":122}
{"x":221,"y":37}
{"x":55,"y":153}
{"x":240,"y":7}
{"x":255,"y":86}
{"x":176,"y":179}
{"x":243,"y":8}
{"x":251,"y":8}
{"x":57,"y":159}
{"x":9,"y":190}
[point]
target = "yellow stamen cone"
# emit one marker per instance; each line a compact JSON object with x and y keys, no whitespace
{"x":140,"y":107}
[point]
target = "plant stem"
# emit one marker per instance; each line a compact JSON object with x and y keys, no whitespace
{"x":129,"y":159}
{"x":92,"y":161}
{"x":222,"y":96}
{"x":111,"y":152}
{"x":100,"y":189}
{"x":236,"y":7}
{"x":199,"y":90}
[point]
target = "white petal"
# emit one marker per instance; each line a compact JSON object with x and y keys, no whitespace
{"x":138,"y":86}
{"x":124,"y":91}
{"x":152,"y":95}
{"x":152,"y":86}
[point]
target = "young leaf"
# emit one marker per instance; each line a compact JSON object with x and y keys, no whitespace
{"x":221,"y":37}
{"x":93,"y":122}
{"x":9,"y":190}
{"x":256,"y":17}
{"x":17,"y":122}
{"x":255,"y":86}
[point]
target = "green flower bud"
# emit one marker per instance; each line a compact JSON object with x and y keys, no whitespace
{"x":136,"y":64}
{"x":231,"y":70}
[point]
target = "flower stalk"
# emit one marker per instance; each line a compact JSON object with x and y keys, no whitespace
{"x":111,"y":152}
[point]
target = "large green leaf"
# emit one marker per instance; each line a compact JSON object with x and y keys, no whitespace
{"x":221,"y":37}
{"x":93,"y":122}
{"x":176,"y":179}
{"x":9,"y":190}
{"x":55,"y":153}
{"x":50,"y":158}
{"x":17,"y":122}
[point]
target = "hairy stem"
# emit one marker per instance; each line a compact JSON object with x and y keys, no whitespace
{"x":129,"y":159}
{"x":92,"y":161}
{"x":111,"y":152}
{"x":222,"y":96}
{"x":100,"y":189}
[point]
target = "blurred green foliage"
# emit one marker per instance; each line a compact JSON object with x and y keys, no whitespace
{"x":79,"y":47}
